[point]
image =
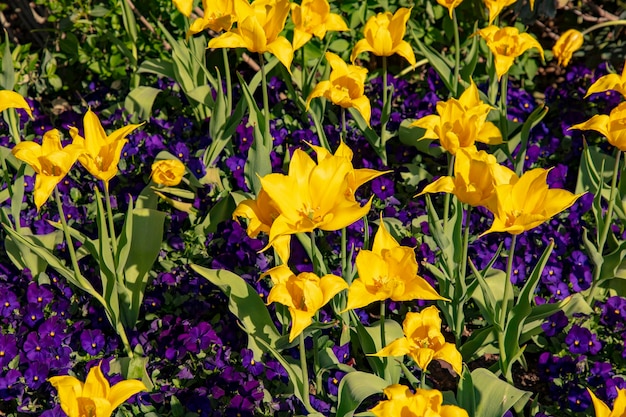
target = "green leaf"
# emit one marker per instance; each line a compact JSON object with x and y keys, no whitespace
{"x":535,"y":117}
{"x":480,"y":342}
{"x":465,"y":393}
{"x":134,"y":368}
{"x":495,"y":397}
{"x":356,"y":387}
{"x":244,"y":302}
{"x":7,"y":75}
{"x":139,"y":102}
{"x":437,"y":61}
{"x":487,"y":303}
{"x":158,"y":67}
{"x":221,"y":211}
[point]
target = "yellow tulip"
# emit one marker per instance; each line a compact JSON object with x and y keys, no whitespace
{"x":424,"y":341}
{"x":95,"y":398}
{"x":168,"y":172}
{"x":101,"y":153}
{"x":495,"y":7}
{"x":345,"y":88}
{"x":313,"y":195}
{"x":450,"y":5}
{"x":313,"y":17}
{"x":261,"y":214}
{"x":383,"y":36}
{"x":184,"y":6}
{"x":603,"y":410}
{"x":50,"y":161}
{"x":527,"y":202}
{"x":11,"y":99}
{"x":568,"y":43}
{"x":609,"y":82}
{"x":476,"y":175}
{"x":507,"y":44}
{"x":388,"y":271}
{"x":258,"y":27}
{"x":303,"y":294}
{"x":219,"y":15}
{"x":460,"y":123}
{"x":611,"y":126}
{"x":402,"y":402}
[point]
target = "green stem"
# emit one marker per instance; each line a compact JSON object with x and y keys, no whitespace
{"x":504,"y":312}
{"x":446,"y":197}
{"x":267,"y":137}
{"x":303,"y":73}
{"x":344,"y":256}
{"x":313,"y":258}
{"x":305,"y":376}
{"x":602,"y":25}
{"x":107,"y":201}
{"x":383,"y":307}
{"x":504,"y":87}
{"x":457,"y":54}
{"x":606,"y":226}
{"x":458,"y":299}
{"x":68,"y":238}
{"x":344,"y":130}
{"x":383,"y":126}
{"x":229,"y":87}
{"x":423,"y":379}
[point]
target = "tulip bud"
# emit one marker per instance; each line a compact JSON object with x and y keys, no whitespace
{"x":168,"y":172}
{"x":568,"y":43}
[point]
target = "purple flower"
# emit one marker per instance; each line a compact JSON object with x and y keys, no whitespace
{"x":8,"y":303}
{"x":248,"y":362}
{"x":578,"y":339}
{"x":10,"y":386}
{"x":555,"y":323}
{"x":36,"y":374}
{"x":614,"y":313}
{"x":36,"y":347}
{"x":199,"y":338}
{"x":92,"y":341}
{"x":578,"y":398}
{"x":8,"y":349}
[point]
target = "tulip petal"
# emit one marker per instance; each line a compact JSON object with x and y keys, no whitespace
{"x":607,"y":82}
{"x":600,"y":408}
{"x":331,"y":285}
{"x":362,"y":104}
{"x":599,"y":123}
{"x":283,"y":50}
{"x":405,"y":50}
{"x":441,"y":185}
{"x":96,"y":385}
{"x":300,"y":38}
{"x":383,"y":239}
{"x":69,"y":389}
{"x":227,"y":40}
{"x":359,"y":295}
{"x":449,"y":353}
{"x":11,"y":99}
{"x":335,"y":22}
{"x":398,"y":347}
{"x":360,"y":47}
{"x":123,"y":390}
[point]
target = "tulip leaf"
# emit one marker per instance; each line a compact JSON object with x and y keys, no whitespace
{"x":480,"y":342}
{"x":465,"y":393}
{"x":486,"y":303}
{"x":494,"y":397}
{"x":356,"y":387}
{"x":139,"y":102}
{"x":437,"y":61}
{"x":370,"y":135}
{"x":158,"y":67}
{"x":471,"y":59}
{"x":244,"y":302}
{"x":535,"y":117}
{"x":23,"y":257}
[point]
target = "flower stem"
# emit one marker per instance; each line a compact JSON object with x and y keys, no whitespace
{"x":107,"y":201}
{"x":504,"y":87}
{"x":383,"y":126}
{"x":344,"y":129}
{"x":267,"y":136}
{"x":457,"y":54}
{"x":604,"y":24}
{"x":305,"y":376}
{"x":446,"y":197}
{"x":229,"y":88}
{"x":383,"y":308}
{"x":504,"y":313}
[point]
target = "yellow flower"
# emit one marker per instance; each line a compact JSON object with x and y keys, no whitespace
{"x":496,"y":6}
{"x":11,"y":99}
{"x":609,"y":82}
{"x":94,"y":398}
{"x":383,"y":36}
{"x":450,"y":5}
{"x":507,"y":44}
{"x":313,"y":196}
{"x":611,"y":126}
{"x":460,"y":123}
{"x":345,"y":88}
{"x":527,"y":202}
{"x":303,"y":294}
{"x":219,"y":15}
{"x":387,"y":271}
{"x":101,"y":153}
{"x":566,"y":45}
{"x":476,"y":175}
{"x":168,"y":172}
{"x":313,"y":17}
{"x":424,"y":341}
{"x":402,"y":402}
{"x":50,"y":161}
{"x":602,"y":410}
{"x":258,"y":27}
{"x":261,"y":214}
{"x":184,"y":6}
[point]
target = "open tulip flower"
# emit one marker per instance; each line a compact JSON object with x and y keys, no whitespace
{"x":603,"y":410}
{"x":95,"y":397}
{"x":611,"y":126}
{"x":219,"y":15}
{"x":388,"y":271}
{"x":345,"y":88}
{"x":402,"y":402}
{"x":460,"y":123}
{"x":495,"y":7}
{"x":168,"y":172}
{"x":260,"y":214}
{"x":527,"y":202}
{"x":10,"y":99}
{"x":303,"y":294}
{"x":423,"y":341}
{"x":383,"y":36}
{"x":258,"y":27}
{"x":569,"y":42}
{"x":313,"y":196}
{"x":101,"y":152}
{"x":50,"y":161}
{"x":609,"y":82}
{"x":313,"y":17}
{"x":507,"y":44}
{"x":476,"y":176}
